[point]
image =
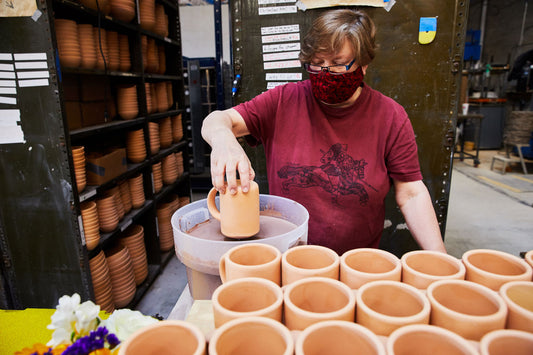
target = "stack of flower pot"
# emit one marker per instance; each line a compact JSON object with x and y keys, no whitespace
{"x":78,"y":157}
{"x":133,"y":240}
{"x":177,"y":128}
{"x":170,"y":169}
{"x":125,"y":195}
{"x":155,"y":141}
{"x":68,"y":44}
{"x":147,"y":14}
{"x":88,"y":46}
{"x":122,"y":275}
{"x":113,"y":48}
{"x":157,"y":175}
{"x":91,"y":224}
{"x":137,"y":191}
{"x":127,"y":101}
{"x":101,"y":282}
{"x":165,"y":132}
{"x":135,"y":146}
{"x":123,"y":10}
{"x":108,"y":216}
{"x":124,"y":53}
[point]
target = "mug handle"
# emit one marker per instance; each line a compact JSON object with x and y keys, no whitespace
{"x":222,"y":268}
{"x":211,"y":205}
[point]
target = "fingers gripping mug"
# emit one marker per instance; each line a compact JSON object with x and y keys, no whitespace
{"x":239,"y":213}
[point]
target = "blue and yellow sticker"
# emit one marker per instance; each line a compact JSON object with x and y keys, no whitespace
{"x":427,"y":30}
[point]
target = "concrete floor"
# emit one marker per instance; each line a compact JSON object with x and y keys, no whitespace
{"x":480,"y":215}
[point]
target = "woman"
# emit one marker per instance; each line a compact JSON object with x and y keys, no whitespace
{"x":332,"y":143}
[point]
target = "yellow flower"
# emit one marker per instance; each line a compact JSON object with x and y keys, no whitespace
{"x":41,"y":349}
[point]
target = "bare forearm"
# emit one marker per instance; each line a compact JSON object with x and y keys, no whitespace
{"x":416,"y":207}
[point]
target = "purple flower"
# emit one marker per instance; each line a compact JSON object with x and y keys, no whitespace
{"x":94,"y":341}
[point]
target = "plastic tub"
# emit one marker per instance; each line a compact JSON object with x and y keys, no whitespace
{"x":201,"y":256}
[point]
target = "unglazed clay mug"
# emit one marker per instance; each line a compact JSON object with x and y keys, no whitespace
{"x":252,"y":335}
{"x":338,"y":337}
{"x":384,"y":306}
{"x":428,"y":339}
{"x":466,"y":308}
{"x":165,"y":337}
{"x":362,"y":265}
{"x":308,"y":260}
{"x":422,"y":267}
{"x":247,"y":297}
{"x":493,"y":268}
{"x":251,"y":260}
{"x":518,"y":295}
{"x":239,"y":213}
{"x":315,"y":299}
{"x":506,"y":341}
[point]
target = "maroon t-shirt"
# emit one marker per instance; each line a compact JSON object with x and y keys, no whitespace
{"x":337,"y":162}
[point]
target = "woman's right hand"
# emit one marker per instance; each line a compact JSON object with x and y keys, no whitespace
{"x":220,"y":129}
{"x":228,"y":157}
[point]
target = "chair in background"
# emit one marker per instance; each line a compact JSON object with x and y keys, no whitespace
{"x":516,"y":134}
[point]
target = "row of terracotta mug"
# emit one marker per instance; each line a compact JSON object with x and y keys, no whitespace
{"x":264,"y":336}
{"x":464,"y":307}
{"x":356,"y":267}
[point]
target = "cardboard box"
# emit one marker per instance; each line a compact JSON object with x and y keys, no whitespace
{"x":105,"y":166}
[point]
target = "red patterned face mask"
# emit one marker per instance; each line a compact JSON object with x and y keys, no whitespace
{"x":334,"y":89}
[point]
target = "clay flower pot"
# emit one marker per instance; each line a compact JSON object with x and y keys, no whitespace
{"x":466,"y":308}
{"x":308,"y":260}
{"x":338,"y":337}
{"x":427,"y":339}
{"x":384,"y":306}
{"x":506,"y":341}
{"x":165,"y":337}
{"x":493,"y":268}
{"x":251,"y":335}
{"x":247,"y":297}
{"x":360,"y":266}
{"x":251,"y":260}
{"x":314,"y":299}
{"x":422,"y":267}
{"x":518,"y":295}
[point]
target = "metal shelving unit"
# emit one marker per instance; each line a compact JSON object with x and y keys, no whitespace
{"x":41,"y":240}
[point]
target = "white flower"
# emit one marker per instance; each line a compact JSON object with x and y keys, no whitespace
{"x":124,"y":322}
{"x":71,"y":317}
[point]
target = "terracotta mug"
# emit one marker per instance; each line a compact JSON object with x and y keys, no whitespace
{"x":493,"y":268}
{"x":308,"y":260}
{"x":247,"y":297}
{"x":252,"y":335}
{"x":384,"y":306}
{"x":506,"y":341}
{"x":239,"y":213}
{"x":422,"y":267}
{"x":362,"y":265}
{"x":315,"y":299}
{"x":165,"y":337}
{"x":466,"y":308}
{"x":427,"y":339}
{"x":338,"y":337}
{"x":518,"y":295}
{"x":251,"y":260}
